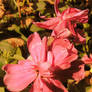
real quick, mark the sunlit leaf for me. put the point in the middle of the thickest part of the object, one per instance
(86, 25)
(18, 51)
(34, 28)
(41, 6)
(15, 42)
(5, 45)
(18, 57)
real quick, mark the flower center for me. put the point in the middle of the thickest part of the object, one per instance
(43, 73)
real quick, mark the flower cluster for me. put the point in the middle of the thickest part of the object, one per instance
(48, 66)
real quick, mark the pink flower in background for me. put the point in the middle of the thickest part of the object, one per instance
(81, 73)
(65, 60)
(64, 24)
(86, 59)
(38, 70)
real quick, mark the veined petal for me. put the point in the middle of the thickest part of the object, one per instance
(61, 42)
(56, 7)
(18, 76)
(44, 68)
(81, 16)
(59, 49)
(47, 85)
(60, 27)
(67, 61)
(59, 53)
(64, 53)
(37, 47)
(50, 58)
(40, 86)
(75, 14)
(48, 24)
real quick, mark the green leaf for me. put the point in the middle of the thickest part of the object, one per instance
(86, 26)
(18, 57)
(1, 71)
(41, 6)
(17, 29)
(34, 28)
(14, 27)
(5, 45)
(63, 8)
(2, 61)
(18, 51)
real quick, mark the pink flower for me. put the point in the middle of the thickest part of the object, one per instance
(65, 60)
(37, 70)
(64, 24)
(86, 59)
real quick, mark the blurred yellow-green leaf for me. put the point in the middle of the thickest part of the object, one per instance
(2, 89)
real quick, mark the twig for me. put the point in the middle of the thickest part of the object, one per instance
(19, 10)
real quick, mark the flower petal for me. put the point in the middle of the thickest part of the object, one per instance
(37, 47)
(40, 86)
(56, 7)
(59, 53)
(67, 61)
(86, 59)
(81, 16)
(47, 85)
(60, 28)
(50, 58)
(79, 75)
(59, 49)
(64, 53)
(48, 24)
(45, 67)
(75, 14)
(18, 76)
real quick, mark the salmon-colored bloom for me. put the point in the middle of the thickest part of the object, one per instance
(64, 24)
(65, 60)
(37, 70)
